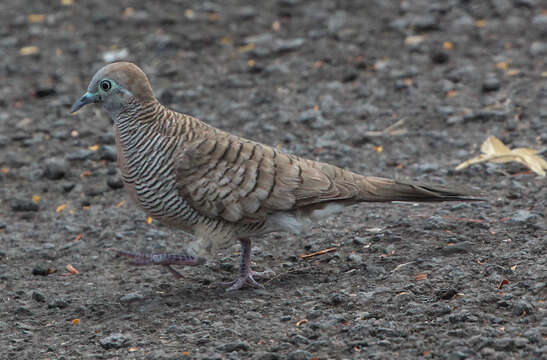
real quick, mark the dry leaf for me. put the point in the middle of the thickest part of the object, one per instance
(75, 321)
(502, 65)
(36, 18)
(503, 282)
(71, 269)
(301, 322)
(246, 48)
(447, 45)
(149, 220)
(414, 40)
(493, 150)
(93, 147)
(421, 276)
(189, 14)
(29, 50)
(35, 198)
(60, 208)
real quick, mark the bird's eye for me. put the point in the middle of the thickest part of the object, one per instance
(105, 85)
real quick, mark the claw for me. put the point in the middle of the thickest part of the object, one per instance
(246, 275)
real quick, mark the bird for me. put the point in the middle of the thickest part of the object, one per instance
(220, 188)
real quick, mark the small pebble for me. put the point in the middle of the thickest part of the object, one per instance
(114, 341)
(38, 296)
(300, 355)
(23, 205)
(114, 182)
(131, 297)
(234, 346)
(491, 83)
(55, 169)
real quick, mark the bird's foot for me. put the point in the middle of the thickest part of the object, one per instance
(166, 260)
(247, 278)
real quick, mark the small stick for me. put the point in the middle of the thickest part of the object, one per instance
(320, 252)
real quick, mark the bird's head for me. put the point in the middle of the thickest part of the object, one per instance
(114, 86)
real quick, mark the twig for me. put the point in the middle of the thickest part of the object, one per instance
(320, 252)
(394, 129)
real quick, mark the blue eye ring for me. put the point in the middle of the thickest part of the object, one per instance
(105, 85)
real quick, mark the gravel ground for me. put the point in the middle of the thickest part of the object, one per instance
(448, 281)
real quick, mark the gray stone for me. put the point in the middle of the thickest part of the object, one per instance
(355, 258)
(108, 153)
(491, 83)
(288, 45)
(23, 205)
(538, 48)
(300, 340)
(59, 303)
(131, 297)
(522, 217)
(457, 248)
(114, 182)
(425, 22)
(299, 355)
(265, 356)
(55, 169)
(234, 346)
(38, 296)
(114, 341)
(79, 155)
(523, 307)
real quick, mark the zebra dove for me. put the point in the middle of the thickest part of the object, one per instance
(218, 187)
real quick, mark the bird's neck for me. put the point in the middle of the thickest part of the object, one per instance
(153, 117)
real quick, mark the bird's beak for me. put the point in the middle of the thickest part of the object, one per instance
(86, 98)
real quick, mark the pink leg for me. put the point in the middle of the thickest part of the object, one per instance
(246, 275)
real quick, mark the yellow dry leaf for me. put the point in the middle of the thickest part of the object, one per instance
(480, 23)
(36, 18)
(512, 72)
(149, 220)
(246, 48)
(67, 2)
(414, 40)
(378, 149)
(421, 276)
(189, 13)
(93, 147)
(36, 198)
(29, 50)
(448, 45)
(60, 208)
(251, 63)
(502, 65)
(75, 321)
(493, 150)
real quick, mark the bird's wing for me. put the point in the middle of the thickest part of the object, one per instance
(224, 176)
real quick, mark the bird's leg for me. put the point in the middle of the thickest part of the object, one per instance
(246, 275)
(163, 259)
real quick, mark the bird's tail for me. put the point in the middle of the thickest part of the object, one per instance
(375, 189)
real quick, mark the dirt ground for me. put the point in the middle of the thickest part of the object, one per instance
(442, 281)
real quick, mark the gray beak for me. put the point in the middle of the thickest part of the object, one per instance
(86, 98)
